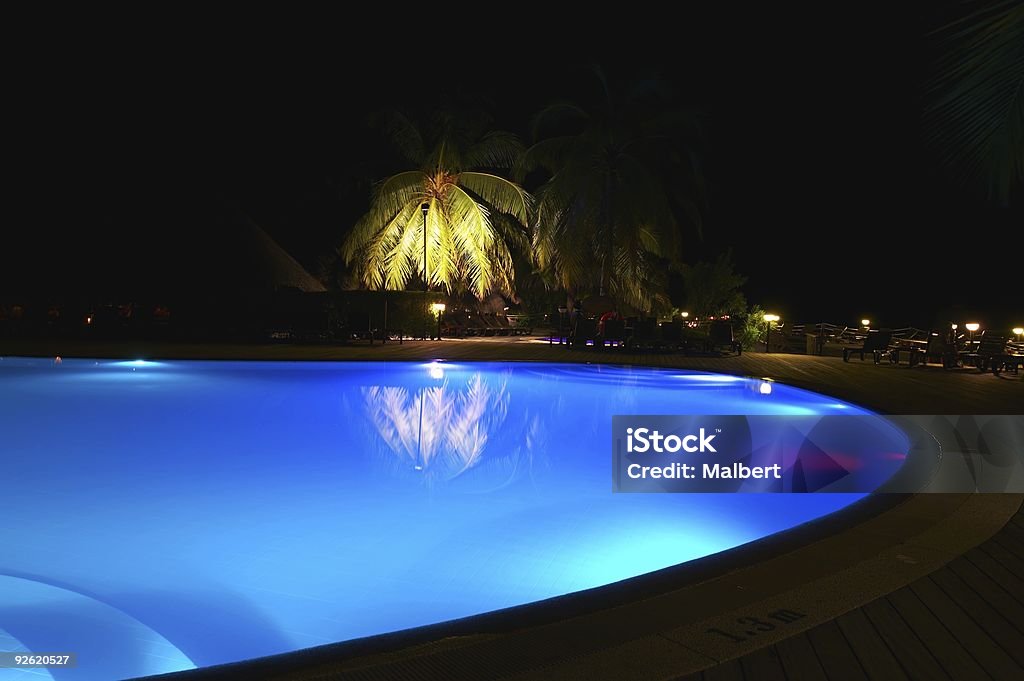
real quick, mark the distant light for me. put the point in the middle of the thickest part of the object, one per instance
(865, 322)
(684, 315)
(437, 307)
(88, 319)
(435, 370)
(766, 388)
(953, 326)
(134, 364)
(1018, 330)
(972, 326)
(57, 360)
(771, 317)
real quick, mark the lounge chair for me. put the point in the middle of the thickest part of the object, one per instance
(472, 325)
(502, 327)
(584, 330)
(488, 326)
(671, 334)
(992, 352)
(720, 335)
(937, 347)
(614, 332)
(645, 334)
(876, 343)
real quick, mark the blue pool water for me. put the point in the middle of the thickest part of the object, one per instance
(156, 516)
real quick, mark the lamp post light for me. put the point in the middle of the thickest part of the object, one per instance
(1018, 331)
(972, 327)
(438, 308)
(866, 323)
(426, 272)
(769, 318)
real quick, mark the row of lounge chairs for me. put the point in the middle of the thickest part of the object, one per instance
(993, 351)
(648, 334)
(461, 324)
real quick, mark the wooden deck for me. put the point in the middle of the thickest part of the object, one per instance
(942, 577)
(963, 621)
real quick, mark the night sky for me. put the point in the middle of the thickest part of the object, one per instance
(818, 179)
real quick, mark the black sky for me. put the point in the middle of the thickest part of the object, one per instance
(818, 179)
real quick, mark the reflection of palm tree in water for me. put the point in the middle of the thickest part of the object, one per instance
(442, 430)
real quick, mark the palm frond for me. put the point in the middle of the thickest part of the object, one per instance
(471, 229)
(404, 136)
(499, 193)
(974, 114)
(496, 149)
(556, 113)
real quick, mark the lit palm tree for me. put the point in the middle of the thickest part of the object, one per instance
(474, 220)
(606, 216)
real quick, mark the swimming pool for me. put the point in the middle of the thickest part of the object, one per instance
(159, 516)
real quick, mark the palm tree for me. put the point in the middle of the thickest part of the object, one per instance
(974, 108)
(606, 216)
(473, 220)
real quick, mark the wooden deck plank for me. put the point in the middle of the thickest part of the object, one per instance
(990, 591)
(798, 658)
(1009, 638)
(763, 665)
(835, 654)
(1011, 583)
(727, 671)
(1012, 545)
(979, 645)
(957, 662)
(1010, 562)
(913, 656)
(874, 655)
(696, 676)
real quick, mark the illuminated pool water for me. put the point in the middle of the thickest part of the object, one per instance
(156, 516)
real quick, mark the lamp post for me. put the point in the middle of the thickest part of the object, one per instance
(1018, 331)
(971, 328)
(769, 318)
(438, 308)
(426, 272)
(866, 323)
(561, 323)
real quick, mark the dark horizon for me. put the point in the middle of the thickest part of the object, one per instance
(818, 179)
